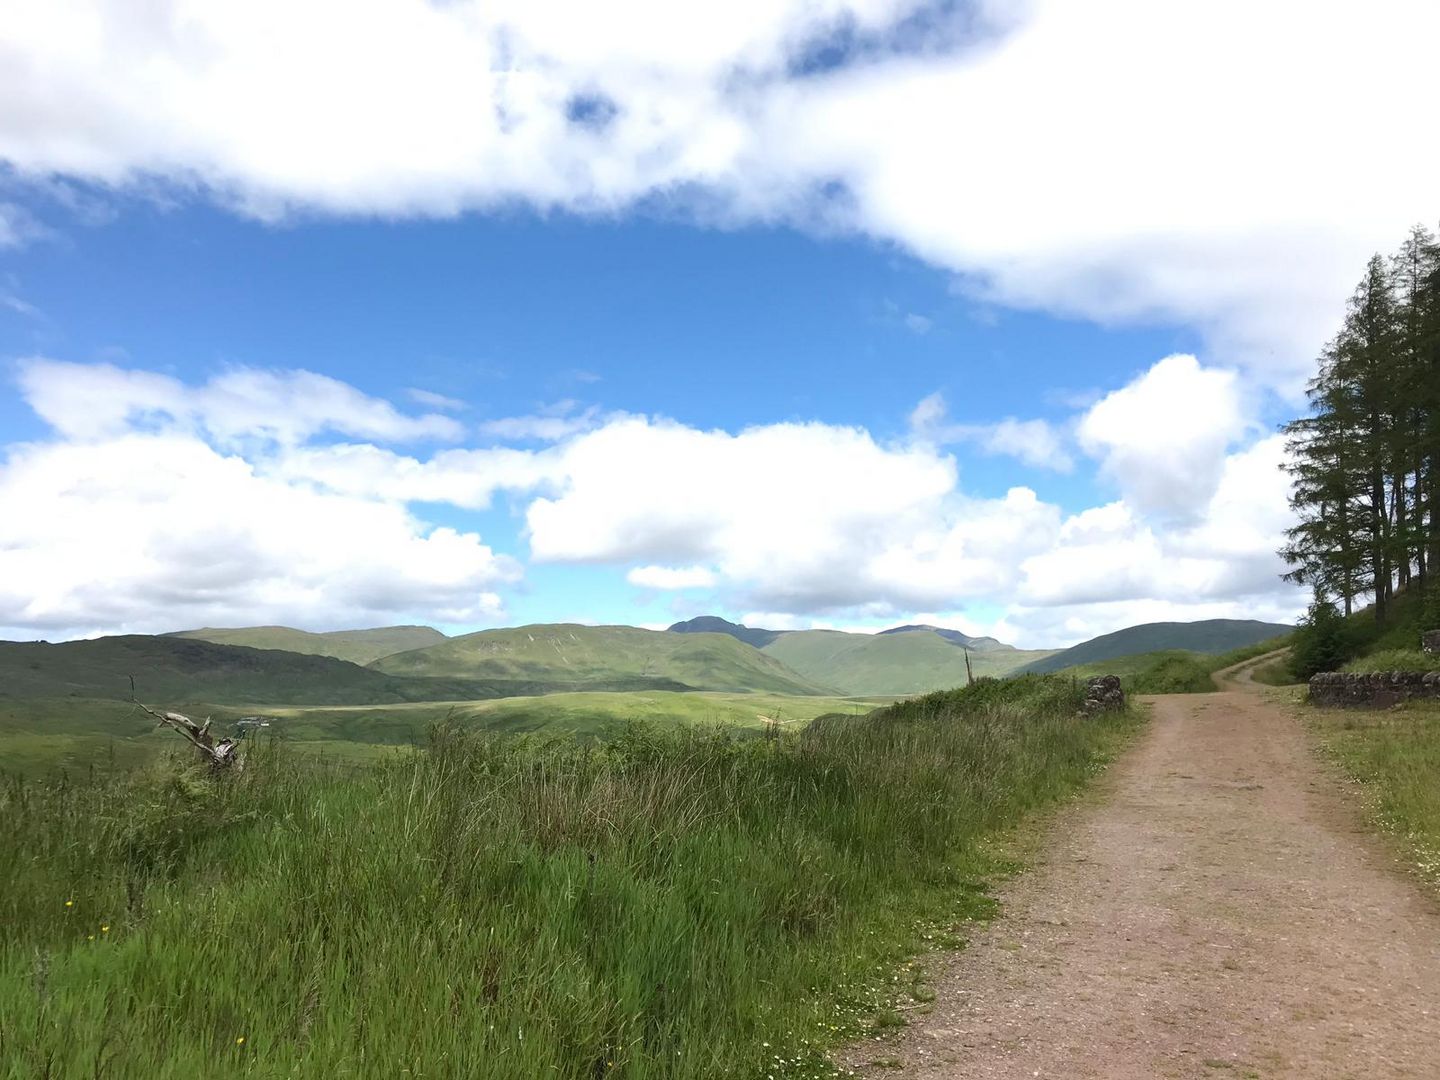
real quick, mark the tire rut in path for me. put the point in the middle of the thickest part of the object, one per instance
(1218, 911)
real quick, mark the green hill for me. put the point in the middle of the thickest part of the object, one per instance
(1210, 636)
(581, 654)
(897, 663)
(173, 670)
(357, 646)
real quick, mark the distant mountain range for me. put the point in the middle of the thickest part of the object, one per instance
(909, 659)
(255, 666)
(576, 653)
(751, 635)
(1211, 636)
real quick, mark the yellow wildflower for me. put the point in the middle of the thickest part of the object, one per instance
(240, 1041)
(69, 903)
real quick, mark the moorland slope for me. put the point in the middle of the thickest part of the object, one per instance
(580, 654)
(1209, 636)
(912, 662)
(357, 646)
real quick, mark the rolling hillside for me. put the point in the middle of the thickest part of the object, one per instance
(581, 654)
(357, 646)
(1211, 636)
(173, 671)
(912, 662)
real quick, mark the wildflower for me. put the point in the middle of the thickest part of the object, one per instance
(69, 903)
(91, 937)
(240, 1041)
(105, 929)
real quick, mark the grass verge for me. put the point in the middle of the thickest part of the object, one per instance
(674, 903)
(1394, 754)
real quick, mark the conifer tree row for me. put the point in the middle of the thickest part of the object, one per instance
(1365, 464)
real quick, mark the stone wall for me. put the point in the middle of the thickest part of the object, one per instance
(1103, 693)
(1373, 691)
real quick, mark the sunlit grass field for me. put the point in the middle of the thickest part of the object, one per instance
(79, 735)
(677, 901)
(1395, 756)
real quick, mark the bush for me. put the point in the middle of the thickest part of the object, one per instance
(1322, 642)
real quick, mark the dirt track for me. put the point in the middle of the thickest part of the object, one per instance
(1218, 911)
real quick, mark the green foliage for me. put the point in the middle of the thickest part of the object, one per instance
(916, 661)
(675, 903)
(1275, 673)
(1366, 461)
(577, 654)
(1172, 674)
(1322, 642)
(1393, 660)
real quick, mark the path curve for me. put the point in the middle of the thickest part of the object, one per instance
(1218, 911)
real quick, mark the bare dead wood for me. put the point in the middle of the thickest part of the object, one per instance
(220, 754)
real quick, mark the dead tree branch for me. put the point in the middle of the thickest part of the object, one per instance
(219, 754)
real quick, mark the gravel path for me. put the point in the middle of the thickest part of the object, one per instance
(1218, 911)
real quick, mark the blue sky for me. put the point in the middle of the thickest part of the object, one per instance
(899, 335)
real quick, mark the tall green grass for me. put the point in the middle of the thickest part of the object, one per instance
(677, 904)
(1395, 755)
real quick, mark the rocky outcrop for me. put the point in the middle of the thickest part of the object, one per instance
(1372, 690)
(1103, 693)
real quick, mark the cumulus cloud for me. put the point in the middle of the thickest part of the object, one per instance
(549, 424)
(669, 578)
(1092, 162)
(89, 401)
(1035, 442)
(153, 532)
(1162, 438)
(151, 507)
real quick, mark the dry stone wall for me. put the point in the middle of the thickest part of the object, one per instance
(1374, 690)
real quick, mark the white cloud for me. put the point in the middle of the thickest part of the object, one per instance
(152, 507)
(671, 577)
(18, 227)
(468, 479)
(431, 399)
(91, 401)
(1162, 438)
(156, 532)
(1034, 442)
(549, 424)
(1093, 161)
(918, 324)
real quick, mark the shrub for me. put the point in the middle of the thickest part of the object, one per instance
(1321, 642)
